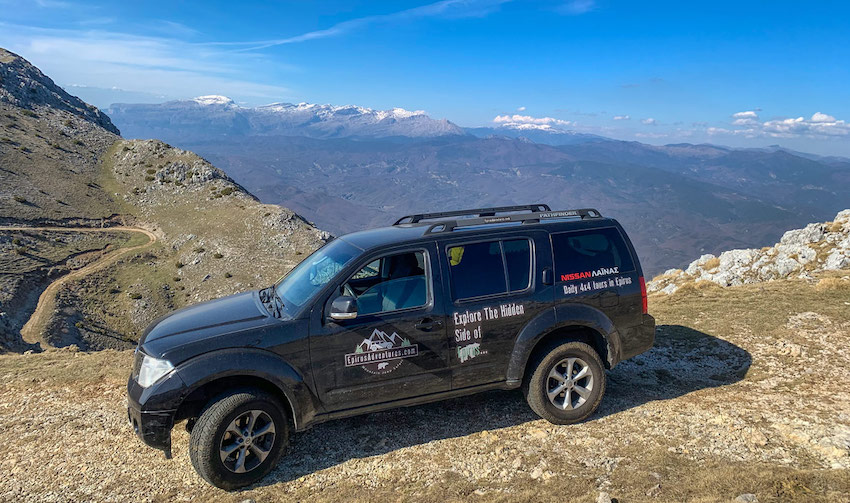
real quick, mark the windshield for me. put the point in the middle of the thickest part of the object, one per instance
(312, 274)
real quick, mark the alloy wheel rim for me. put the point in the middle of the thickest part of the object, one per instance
(569, 383)
(247, 441)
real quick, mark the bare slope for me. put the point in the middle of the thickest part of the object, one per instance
(62, 164)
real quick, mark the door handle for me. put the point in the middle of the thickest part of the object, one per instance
(428, 324)
(548, 276)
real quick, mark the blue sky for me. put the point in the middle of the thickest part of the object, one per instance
(736, 73)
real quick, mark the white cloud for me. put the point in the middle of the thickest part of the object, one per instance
(819, 117)
(622, 118)
(527, 119)
(820, 125)
(517, 121)
(749, 114)
(649, 121)
(520, 109)
(748, 118)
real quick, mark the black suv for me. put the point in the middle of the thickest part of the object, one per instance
(436, 306)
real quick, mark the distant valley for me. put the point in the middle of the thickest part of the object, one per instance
(346, 168)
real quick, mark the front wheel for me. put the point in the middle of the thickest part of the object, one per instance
(566, 384)
(239, 438)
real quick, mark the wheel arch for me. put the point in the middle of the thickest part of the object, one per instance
(214, 373)
(572, 322)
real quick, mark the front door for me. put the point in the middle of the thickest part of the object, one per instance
(396, 347)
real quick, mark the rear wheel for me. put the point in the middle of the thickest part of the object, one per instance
(239, 438)
(566, 384)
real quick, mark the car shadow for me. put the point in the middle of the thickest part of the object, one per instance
(682, 360)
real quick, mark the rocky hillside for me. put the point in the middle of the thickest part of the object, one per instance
(799, 254)
(24, 86)
(62, 166)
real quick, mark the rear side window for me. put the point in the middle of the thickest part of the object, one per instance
(596, 252)
(489, 268)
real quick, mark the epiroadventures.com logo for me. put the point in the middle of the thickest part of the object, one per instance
(381, 353)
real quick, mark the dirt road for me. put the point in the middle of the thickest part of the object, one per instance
(32, 329)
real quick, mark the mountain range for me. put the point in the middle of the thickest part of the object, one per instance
(347, 168)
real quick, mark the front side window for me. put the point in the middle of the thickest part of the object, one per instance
(390, 283)
(489, 268)
(590, 253)
(314, 272)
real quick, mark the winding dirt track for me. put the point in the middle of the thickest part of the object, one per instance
(32, 329)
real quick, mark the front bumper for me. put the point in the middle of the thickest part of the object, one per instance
(151, 411)
(154, 428)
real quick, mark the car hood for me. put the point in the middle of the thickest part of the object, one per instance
(227, 314)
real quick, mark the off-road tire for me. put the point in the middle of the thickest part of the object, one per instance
(535, 385)
(210, 428)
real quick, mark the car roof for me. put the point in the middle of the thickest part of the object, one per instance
(405, 233)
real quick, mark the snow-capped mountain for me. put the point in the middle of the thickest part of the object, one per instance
(216, 115)
(213, 99)
(538, 133)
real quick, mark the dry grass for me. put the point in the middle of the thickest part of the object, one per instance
(711, 264)
(677, 424)
(697, 287)
(824, 284)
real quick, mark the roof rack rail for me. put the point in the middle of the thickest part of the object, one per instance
(530, 218)
(480, 212)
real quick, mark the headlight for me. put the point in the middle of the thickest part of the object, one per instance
(152, 370)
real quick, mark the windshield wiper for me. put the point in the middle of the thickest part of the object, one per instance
(272, 301)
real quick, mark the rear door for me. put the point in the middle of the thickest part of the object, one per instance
(396, 347)
(595, 267)
(493, 288)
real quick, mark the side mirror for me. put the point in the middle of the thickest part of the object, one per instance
(344, 308)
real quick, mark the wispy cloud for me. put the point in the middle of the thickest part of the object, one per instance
(52, 4)
(649, 121)
(171, 65)
(451, 9)
(622, 117)
(158, 65)
(576, 7)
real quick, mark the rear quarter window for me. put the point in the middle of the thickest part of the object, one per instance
(597, 252)
(489, 268)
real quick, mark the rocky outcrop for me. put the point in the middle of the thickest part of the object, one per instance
(23, 85)
(801, 252)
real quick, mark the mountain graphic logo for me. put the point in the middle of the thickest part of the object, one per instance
(381, 352)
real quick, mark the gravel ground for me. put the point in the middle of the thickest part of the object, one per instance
(721, 407)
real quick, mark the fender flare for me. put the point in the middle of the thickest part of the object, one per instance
(558, 317)
(253, 362)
